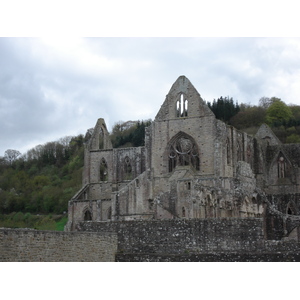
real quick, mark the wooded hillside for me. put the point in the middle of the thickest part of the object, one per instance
(45, 178)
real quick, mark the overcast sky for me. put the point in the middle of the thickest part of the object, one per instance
(54, 87)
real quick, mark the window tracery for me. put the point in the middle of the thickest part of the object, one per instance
(183, 152)
(182, 107)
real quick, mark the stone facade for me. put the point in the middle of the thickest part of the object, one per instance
(192, 166)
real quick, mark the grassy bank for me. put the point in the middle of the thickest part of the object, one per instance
(27, 220)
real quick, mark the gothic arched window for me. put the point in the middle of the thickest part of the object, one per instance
(103, 170)
(183, 152)
(127, 169)
(182, 107)
(87, 216)
(281, 167)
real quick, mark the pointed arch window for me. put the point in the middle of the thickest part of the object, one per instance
(127, 169)
(183, 151)
(182, 107)
(103, 170)
(281, 167)
(87, 216)
(291, 209)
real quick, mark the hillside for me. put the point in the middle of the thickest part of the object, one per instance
(35, 187)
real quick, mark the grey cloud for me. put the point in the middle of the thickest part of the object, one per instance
(47, 92)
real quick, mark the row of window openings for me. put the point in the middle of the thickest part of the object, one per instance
(239, 154)
(281, 165)
(104, 172)
(88, 215)
(290, 211)
(182, 107)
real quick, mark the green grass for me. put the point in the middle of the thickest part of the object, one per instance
(27, 220)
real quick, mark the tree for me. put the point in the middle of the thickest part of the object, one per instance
(224, 108)
(249, 117)
(278, 113)
(265, 102)
(11, 155)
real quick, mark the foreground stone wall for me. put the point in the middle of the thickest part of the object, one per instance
(51, 246)
(182, 236)
(196, 240)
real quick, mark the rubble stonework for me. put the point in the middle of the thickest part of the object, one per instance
(192, 166)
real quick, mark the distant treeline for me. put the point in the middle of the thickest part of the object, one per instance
(282, 118)
(45, 178)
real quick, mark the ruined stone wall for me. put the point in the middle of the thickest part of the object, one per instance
(50, 246)
(133, 200)
(136, 158)
(168, 240)
(184, 236)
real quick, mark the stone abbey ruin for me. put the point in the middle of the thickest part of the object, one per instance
(192, 166)
(199, 190)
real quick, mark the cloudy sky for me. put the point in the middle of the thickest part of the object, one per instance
(54, 87)
(60, 85)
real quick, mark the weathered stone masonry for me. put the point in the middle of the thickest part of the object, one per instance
(158, 240)
(53, 246)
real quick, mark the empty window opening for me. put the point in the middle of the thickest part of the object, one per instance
(281, 167)
(109, 213)
(182, 107)
(186, 104)
(183, 212)
(151, 204)
(291, 209)
(127, 169)
(87, 216)
(188, 185)
(103, 170)
(178, 109)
